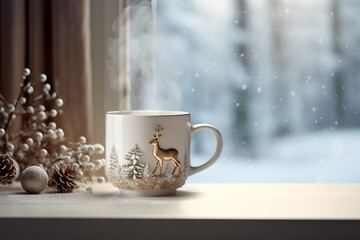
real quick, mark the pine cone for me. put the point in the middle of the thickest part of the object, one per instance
(9, 169)
(64, 178)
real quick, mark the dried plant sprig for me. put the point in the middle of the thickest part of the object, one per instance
(34, 113)
(79, 155)
(73, 161)
(41, 141)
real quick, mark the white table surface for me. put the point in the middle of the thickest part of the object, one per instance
(193, 201)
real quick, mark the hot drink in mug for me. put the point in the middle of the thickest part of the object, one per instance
(148, 152)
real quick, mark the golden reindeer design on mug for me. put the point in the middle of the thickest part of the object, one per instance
(161, 155)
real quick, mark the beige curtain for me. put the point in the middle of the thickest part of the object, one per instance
(51, 37)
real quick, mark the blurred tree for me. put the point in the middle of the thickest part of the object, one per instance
(280, 65)
(339, 80)
(242, 89)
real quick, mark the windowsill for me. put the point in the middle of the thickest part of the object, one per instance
(193, 201)
(212, 211)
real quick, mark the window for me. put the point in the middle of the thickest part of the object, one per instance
(109, 58)
(280, 79)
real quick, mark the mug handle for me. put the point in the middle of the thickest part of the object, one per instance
(219, 146)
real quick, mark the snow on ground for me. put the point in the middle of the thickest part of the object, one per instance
(326, 156)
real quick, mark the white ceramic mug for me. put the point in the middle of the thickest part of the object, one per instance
(147, 152)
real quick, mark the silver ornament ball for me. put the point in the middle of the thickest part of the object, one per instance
(34, 179)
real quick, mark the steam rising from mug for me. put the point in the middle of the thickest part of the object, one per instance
(136, 38)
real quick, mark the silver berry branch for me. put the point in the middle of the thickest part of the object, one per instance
(40, 141)
(35, 136)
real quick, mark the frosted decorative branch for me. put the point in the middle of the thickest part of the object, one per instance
(41, 143)
(12, 108)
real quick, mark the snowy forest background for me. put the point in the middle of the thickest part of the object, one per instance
(280, 79)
